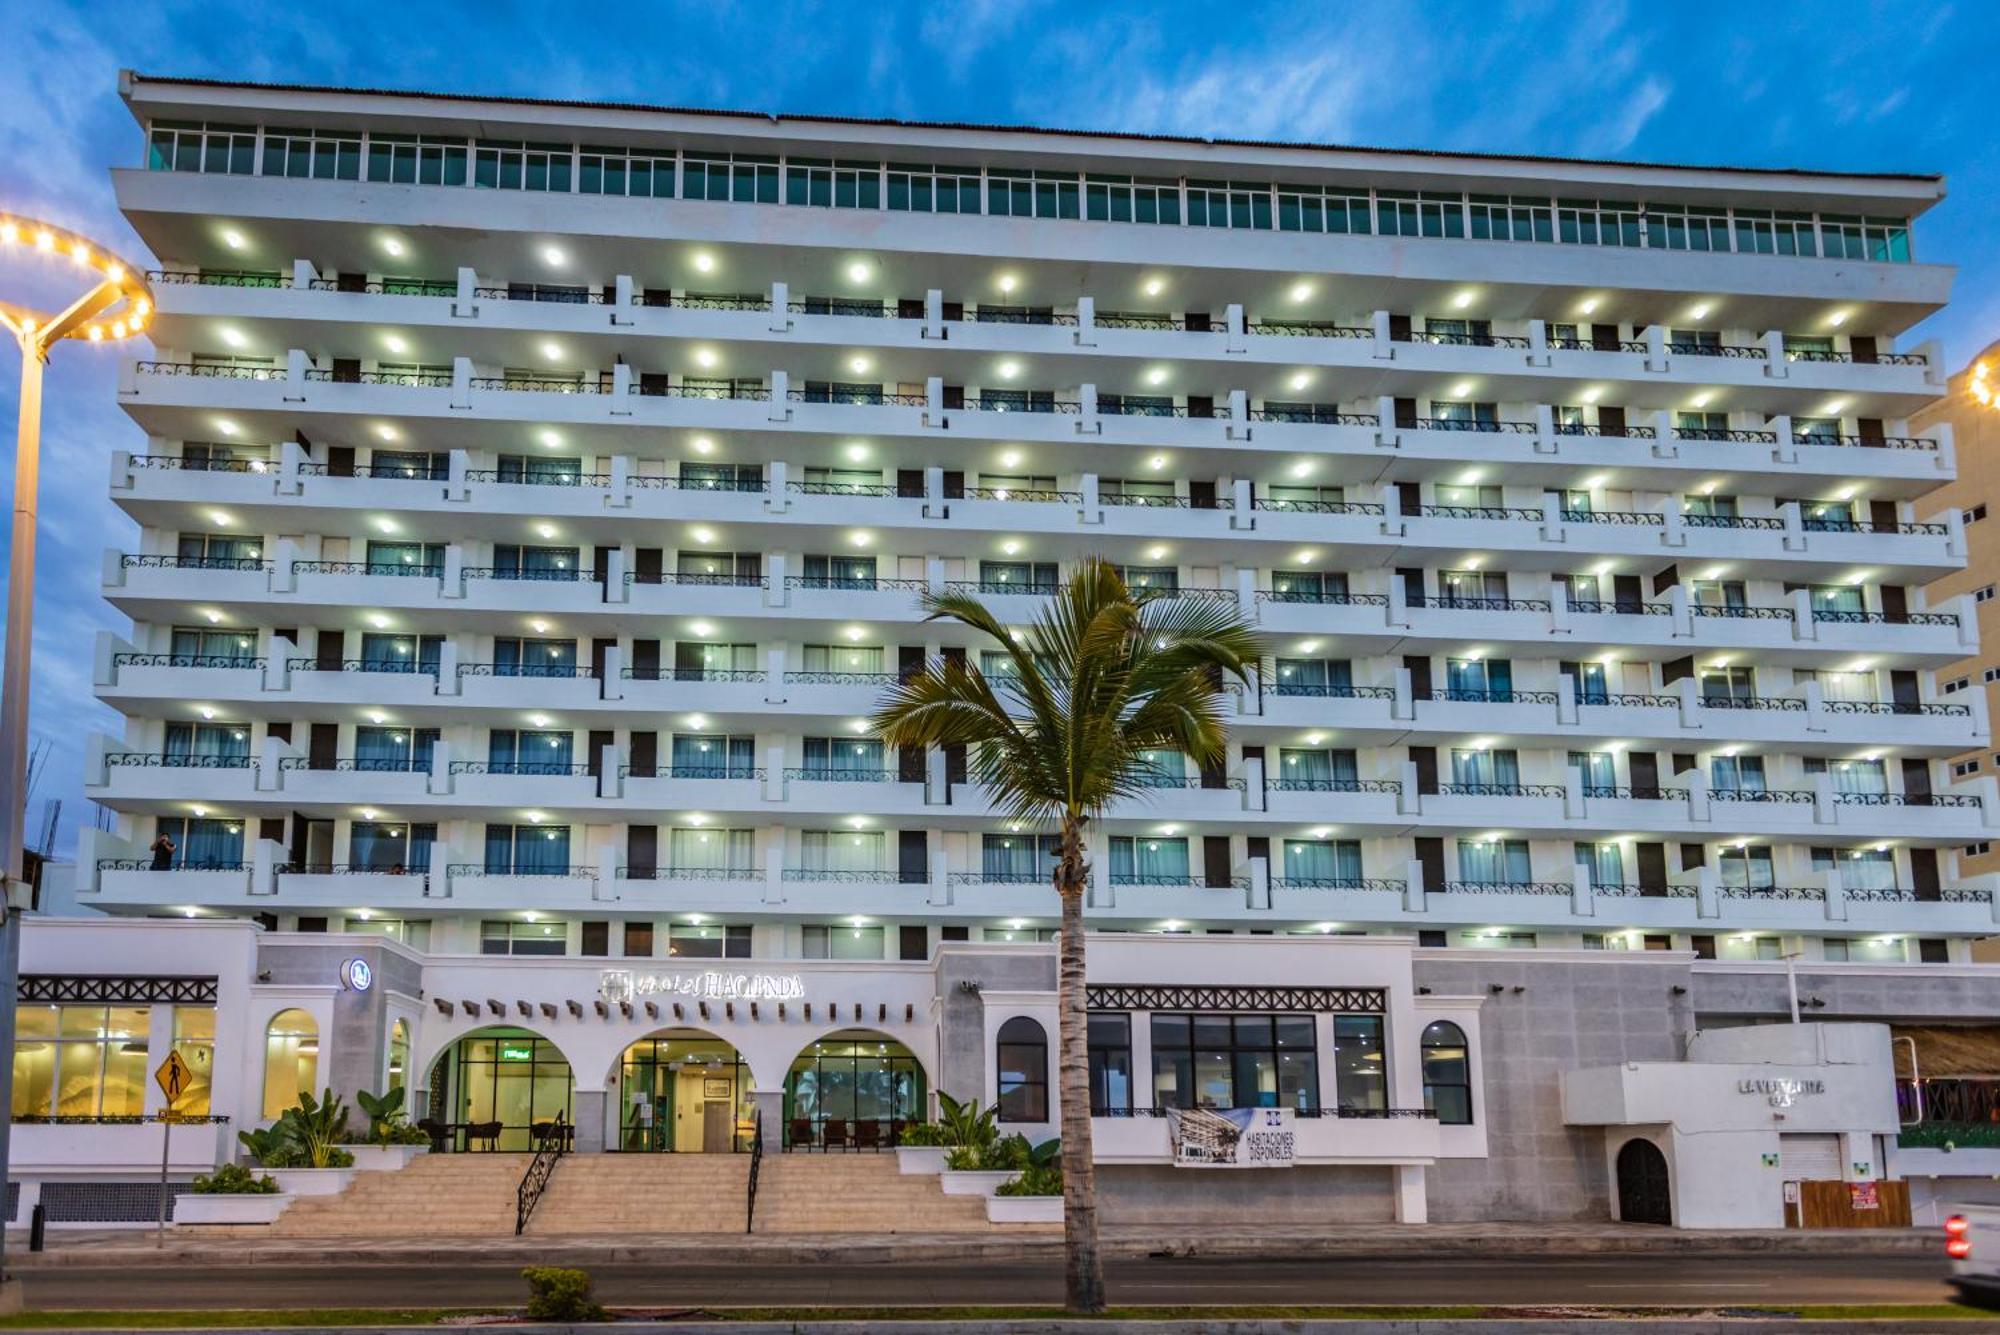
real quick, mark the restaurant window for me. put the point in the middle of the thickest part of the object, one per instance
(1022, 1068)
(291, 1060)
(81, 1062)
(1235, 1061)
(194, 1039)
(1447, 1073)
(1110, 1042)
(1360, 1075)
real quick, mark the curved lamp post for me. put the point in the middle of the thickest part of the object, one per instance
(117, 306)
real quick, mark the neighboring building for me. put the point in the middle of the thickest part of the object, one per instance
(1974, 497)
(517, 573)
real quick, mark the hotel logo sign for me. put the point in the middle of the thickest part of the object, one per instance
(700, 985)
(1781, 1092)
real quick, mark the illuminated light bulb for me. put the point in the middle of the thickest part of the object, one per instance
(704, 262)
(45, 240)
(115, 272)
(97, 333)
(118, 329)
(10, 233)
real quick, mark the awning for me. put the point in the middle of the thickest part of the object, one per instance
(1959, 1051)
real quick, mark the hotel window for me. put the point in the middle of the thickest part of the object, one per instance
(828, 942)
(1479, 679)
(1032, 194)
(1962, 768)
(699, 849)
(291, 1060)
(1140, 491)
(1163, 579)
(744, 178)
(218, 551)
(625, 171)
(195, 646)
(1447, 1073)
(1728, 683)
(1721, 594)
(548, 470)
(1501, 218)
(840, 758)
(1679, 227)
(512, 561)
(82, 1062)
(519, 657)
(1454, 416)
(721, 477)
(1293, 496)
(523, 751)
(1468, 498)
(512, 165)
(1973, 515)
(1322, 863)
(708, 941)
(1599, 770)
(1236, 204)
(1314, 676)
(204, 843)
(843, 481)
(1021, 1066)
(1401, 213)
(1144, 861)
(1235, 1061)
(1954, 686)
(1591, 682)
(1866, 949)
(914, 189)
(1746, 868)
(411, 160)
(1134, 199)
(1471, 588)
(1701, 425)
(1494, 862)
(1309, 770)
(842, 850)
(1306, 208)
(1859, 868)
(842, 658)
(1495, 939)
(385, 846)
(1360, 1074)
(1736, 774)
(225, 150)
(712, 755)
(321, 155)
(527, 850)
(1709, 506)
(1036, 577)
(1018, 859)
(1003, 485)
(839, 572)
(423, 559)
(1487, 768)
(1743, 946)
(819, 183)
(1604, 861)
(401, 653)
(1110, 1042)
(1308, 586)
(1587, 222)
(739, 569)
(416, 935)
(1978, 850)
(1854, 777)
(523, 938)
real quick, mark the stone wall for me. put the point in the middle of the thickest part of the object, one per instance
(1553, 1012)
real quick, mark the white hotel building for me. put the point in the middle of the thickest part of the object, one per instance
(535, 499)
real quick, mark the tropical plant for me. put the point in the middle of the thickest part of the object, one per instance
(233, 1179)
(271, 1146)
(316, 1127)
(385, 1112)
(1041, 1177)
(557, 1293)
(1103, 676)
(1007, 1154)
(966, 1123)
(920, 1135)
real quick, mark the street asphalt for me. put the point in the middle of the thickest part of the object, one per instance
(1607, 1280)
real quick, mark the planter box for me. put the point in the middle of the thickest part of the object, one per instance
(972, 1184)
(922, 1159)
(263, 1208)
(384, 1158)
(1024, 1209)
(313, 1181)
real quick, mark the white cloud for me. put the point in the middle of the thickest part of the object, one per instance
(1617, 133)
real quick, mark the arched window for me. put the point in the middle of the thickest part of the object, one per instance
(1447, 1073)
(1024, 1071)
(399, 1055)
(291, 1060)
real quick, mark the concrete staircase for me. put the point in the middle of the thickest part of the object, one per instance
(644, 1193)
(437, 1194)
(862, 1193)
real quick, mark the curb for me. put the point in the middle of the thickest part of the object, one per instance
(1703, 1324)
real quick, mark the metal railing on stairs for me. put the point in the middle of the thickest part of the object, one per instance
(543, 1166)
(756, 1164)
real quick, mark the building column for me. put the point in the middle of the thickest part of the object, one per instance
(590, 1106)
(770, 1105)
(1412, 1207)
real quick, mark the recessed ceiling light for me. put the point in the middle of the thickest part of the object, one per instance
(1010, 459)
(1156, 376)
(701, 628)
(391, 246)
(1461, 301)
(226, 427)
(1008, 370)
(1699, 312)
(704, 358)
(549, 438)
(554, 255)
(1589, 306)
(704, 262)
(233, 338)
(394, 343)
(1155, 286)
(553, 351)
(233, 238)
(859, 272)
(385, 431)
(859, 365)
(1461, 389)
(1300, 381)
(703, 534)
(856, 453)
(703, 445)
(1006, 283)
(860, 538)
(1156, 553)
(1157, 462)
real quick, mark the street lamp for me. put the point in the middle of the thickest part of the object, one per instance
(117, 306)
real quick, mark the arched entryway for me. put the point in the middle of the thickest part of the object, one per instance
(1644, 1196)
(499, 1089)
(684, 1091)
(853, 1089)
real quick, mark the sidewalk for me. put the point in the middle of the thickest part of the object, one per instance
(135, 1248)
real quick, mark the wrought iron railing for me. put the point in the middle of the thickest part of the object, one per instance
(1337, 883)
(1334, 692)
(1501, 790)
(535, 1181)
(1334, 785)
(756, 1168)
(187, 661)
(1507, 888)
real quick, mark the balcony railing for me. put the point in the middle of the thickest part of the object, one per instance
(1727, 435)
(458, 870)
(1323, 597)
(1158, 881)
(1308, 329)
(731, 773)
(853, 876)
(692, 674)
(716, 581)
(1962, 801)
(357, 764)
(1374, 883)
(1612, 793)
(861, 584)
(1815, 525)
(1606, 433)
(1774, 703)
(400, 666)
(1592, 345)
(1467, 424)
(1334, 786)
(187, 661)
(1885, 618)
(842, 678)
(146, 864)
(179, 463)
(1468, 340)
(1513, 512)
(1330, 692)
(1760, 523)
(530, 384)
(558, 671)
(1000, 878)
(1740, 351)
(1738, 612)
(1625, 518)
(536, 478)
(1783, 892)
(398, 569)
(1316, 414)
(1316, 507)
(193, 563)
(690, 873)
(219, 278)
(718, 393)
(208, 371)
(1452, 602)
(1469, 695)
(1142, 501)
(1033, 495)
(876, 489)
(175, 760)
(1908, 708)
(1764, 796)
(1626, 700)
(542, 768)
(1501, 790)
(650, 482)
(833, 774)
(529, 574)
(1619, 607)
(1506, 888)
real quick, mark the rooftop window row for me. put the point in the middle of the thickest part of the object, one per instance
(814, 182)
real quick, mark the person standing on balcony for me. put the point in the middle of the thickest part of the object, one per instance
(163, 852)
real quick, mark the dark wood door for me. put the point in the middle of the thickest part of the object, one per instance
(1201, 405)
(912, 857)
(1406, 411)
(645, 753)
(1644, 1194)
(600, 648)
(1903, 689)
(1653, 870)
(1645, 774)
(340, 461)
(1861, 347)
(1895, 604)
(1604, 338)
(647, 565)
(1924, 874)
(1425, 758)
(329, 650)
(1419, 666)
(1610, 421)
(1201, 495)
(323, 748)
(1215, 861)
(599, 739)
(1882, 516)
(1917, 781)
(909, 764)
(1430, 860)
(645, 660)
(1409, 498)
(1399, 328)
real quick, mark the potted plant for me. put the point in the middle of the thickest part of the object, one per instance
(978, 1170)
(305, 1144)
(390, 1142)
(922, 1148)
(1035, 1194)
(232, 1194)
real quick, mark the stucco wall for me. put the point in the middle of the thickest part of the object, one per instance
(1575, 1010)
(1162, 1194)
(962, 1013)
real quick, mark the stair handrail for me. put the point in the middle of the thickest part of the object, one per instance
(543, 1166)
(756, 1163)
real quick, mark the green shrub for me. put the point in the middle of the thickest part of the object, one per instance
(967, 1123)
(1041, 1176)
(271, 1146)
(556, 1293)
(1009, 1154)
(923, 1135)
(233, 1179)
(1950, 1135)
(316, 1126)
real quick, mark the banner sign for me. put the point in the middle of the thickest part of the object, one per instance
(1231, 1137)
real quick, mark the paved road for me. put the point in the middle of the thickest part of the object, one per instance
(1621, 1280)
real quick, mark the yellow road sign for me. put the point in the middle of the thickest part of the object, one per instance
(174, 1077)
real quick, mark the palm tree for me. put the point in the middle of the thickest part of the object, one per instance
(1102, 677)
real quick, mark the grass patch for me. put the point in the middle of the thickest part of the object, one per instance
(430, 1316)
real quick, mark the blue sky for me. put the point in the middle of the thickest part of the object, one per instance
(1833, 84)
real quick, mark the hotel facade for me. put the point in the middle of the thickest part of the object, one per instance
(536, 499)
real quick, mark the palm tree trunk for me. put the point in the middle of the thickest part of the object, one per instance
(1083, 1269)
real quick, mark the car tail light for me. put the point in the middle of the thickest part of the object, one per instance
(1957, 1245)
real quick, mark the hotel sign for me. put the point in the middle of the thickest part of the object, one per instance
(700, 985)
(1781, 1092)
